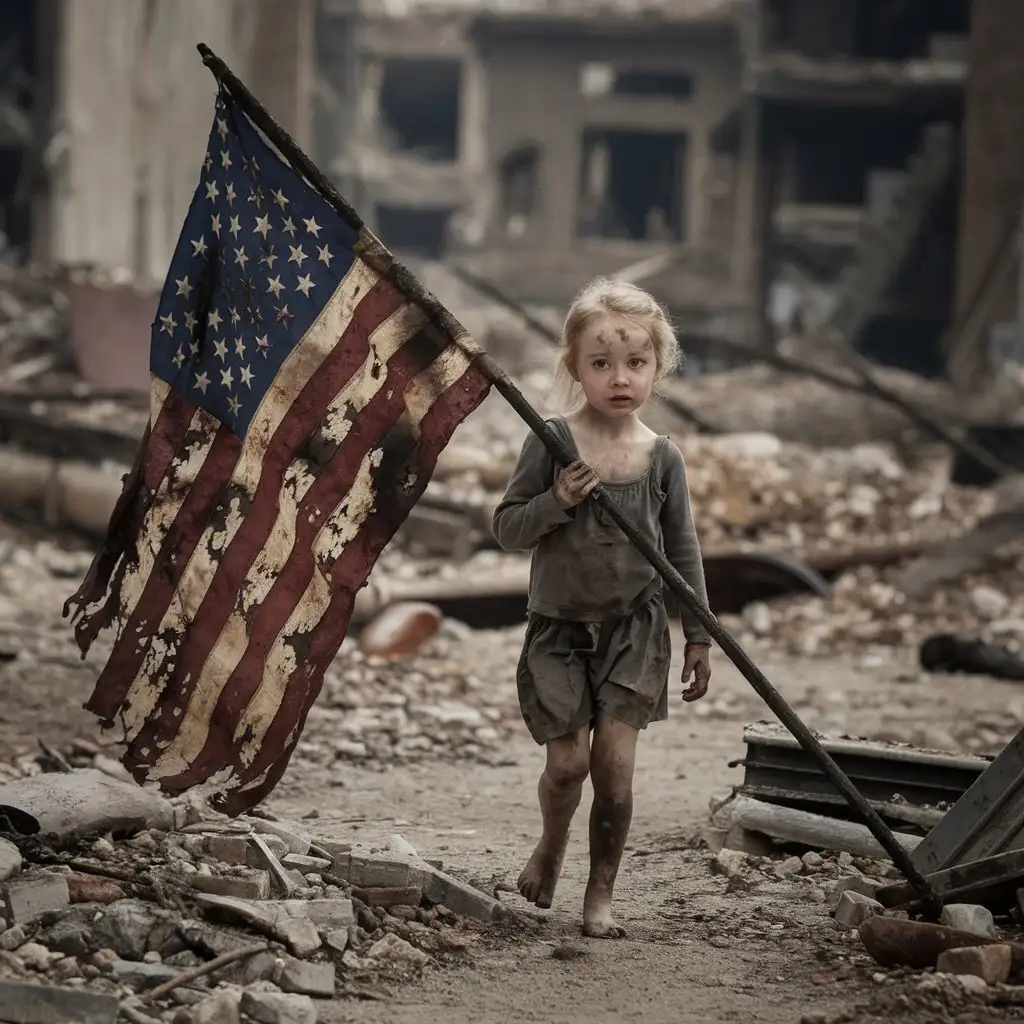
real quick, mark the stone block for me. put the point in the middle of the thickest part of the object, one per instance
(255, 886)
(854, 909)
(234, 850)
(24, 1003)
(377, 897)
(853, 883)
(10, 860)
(29, 898)
(969, 917)
(306, 865)
(278, 1007)
(459, 897)
(990, 963)
(306, 978)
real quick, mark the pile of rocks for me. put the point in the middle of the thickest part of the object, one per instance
(218, 919)
(866, 610)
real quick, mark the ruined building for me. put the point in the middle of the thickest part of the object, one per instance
(858, 107)
(541, 144)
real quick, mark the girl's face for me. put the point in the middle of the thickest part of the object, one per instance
(616, 365)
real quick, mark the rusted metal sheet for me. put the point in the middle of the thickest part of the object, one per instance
(987, 820)
(110, 333)
(890, 776)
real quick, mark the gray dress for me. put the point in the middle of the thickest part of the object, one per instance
(597, 636)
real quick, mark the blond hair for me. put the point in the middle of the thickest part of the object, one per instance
(605, 295)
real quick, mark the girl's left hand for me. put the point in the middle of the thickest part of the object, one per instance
(696, 663)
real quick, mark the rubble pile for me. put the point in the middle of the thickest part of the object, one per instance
(33, 310)
(866, 610)
(208, 919)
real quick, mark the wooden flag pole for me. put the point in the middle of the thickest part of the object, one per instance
(373, 252)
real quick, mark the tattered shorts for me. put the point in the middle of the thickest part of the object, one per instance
(569, 670)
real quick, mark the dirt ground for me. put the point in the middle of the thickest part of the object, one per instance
(699, 950)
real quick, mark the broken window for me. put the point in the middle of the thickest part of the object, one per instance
(632, 185)
(414, 230)
(604, 80)
(419, 107)
(519, 173)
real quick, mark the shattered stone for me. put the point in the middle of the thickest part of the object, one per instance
(220, 1007)
(730, 862)
(33, 955)
(233, 850)
(790, 866)
(306, 865)
(460, 898)
(30, 898)
(255, 886)
(142, 976)
(69, 936)
(295, 840)
(27, 1003)
(852, 883)
(854, 909)
(278, 1007)
(305, 978)
(298, 933)
(127, 927)
(969, 917)
(12, 938)
(396, 950)
(337, 939)
(990, 963)
(392, 898)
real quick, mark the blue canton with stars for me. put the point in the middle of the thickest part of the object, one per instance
(259, 256)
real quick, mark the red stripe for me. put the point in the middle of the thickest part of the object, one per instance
(165, 439)
(188, 655)
(348, 575)
(321, 500)
(203, 499)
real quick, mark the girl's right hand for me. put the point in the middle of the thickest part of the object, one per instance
(573, 484)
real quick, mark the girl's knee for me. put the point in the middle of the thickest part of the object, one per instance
(567, 765)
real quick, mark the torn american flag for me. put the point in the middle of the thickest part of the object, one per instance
(299, 403)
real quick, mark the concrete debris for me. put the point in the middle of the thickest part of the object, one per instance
(990, 963)
(178, 933)
(968, 917)
(854, 909)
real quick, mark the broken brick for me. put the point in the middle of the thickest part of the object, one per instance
(30, 898)
(255, 886)
(990, 963)
(393, 897)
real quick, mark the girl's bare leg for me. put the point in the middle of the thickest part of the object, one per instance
(559, 792)
(612, 757)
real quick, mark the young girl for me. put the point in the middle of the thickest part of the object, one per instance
(597, 651)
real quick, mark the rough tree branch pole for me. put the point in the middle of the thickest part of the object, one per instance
(377, 256)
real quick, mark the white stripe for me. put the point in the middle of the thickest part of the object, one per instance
(369, 380)
(295, 372)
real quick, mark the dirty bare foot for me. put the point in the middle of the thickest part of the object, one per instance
(540, 876)
(598, 922)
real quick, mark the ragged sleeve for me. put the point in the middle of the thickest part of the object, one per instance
(682, 547)
(528, 510)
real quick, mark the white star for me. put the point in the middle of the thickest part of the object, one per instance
(226, 377)
(324, 254)
(211, 190)
(280, 198)
(202, 381)
(222, 127)
(240, 347)
(184, 288)
(179, 357)
(169, 323)
(270, 258)
(274, 286)
(288, 226)
(312, 227)
(234, 227)
(297, 255)
(262, 344)
(190, 320)
(240, 258)
(214, 319)
(199, 246)
(234, 405)
(230, 193)
(247, 376)
(305, 284)
(220, 349)
(207, 162)
(193, 348)
(262, 225)
(215, 224)
(235, 316)
(225, 158)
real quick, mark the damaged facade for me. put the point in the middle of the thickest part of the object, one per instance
(853, 173)
(542, 146)
(106, 109)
